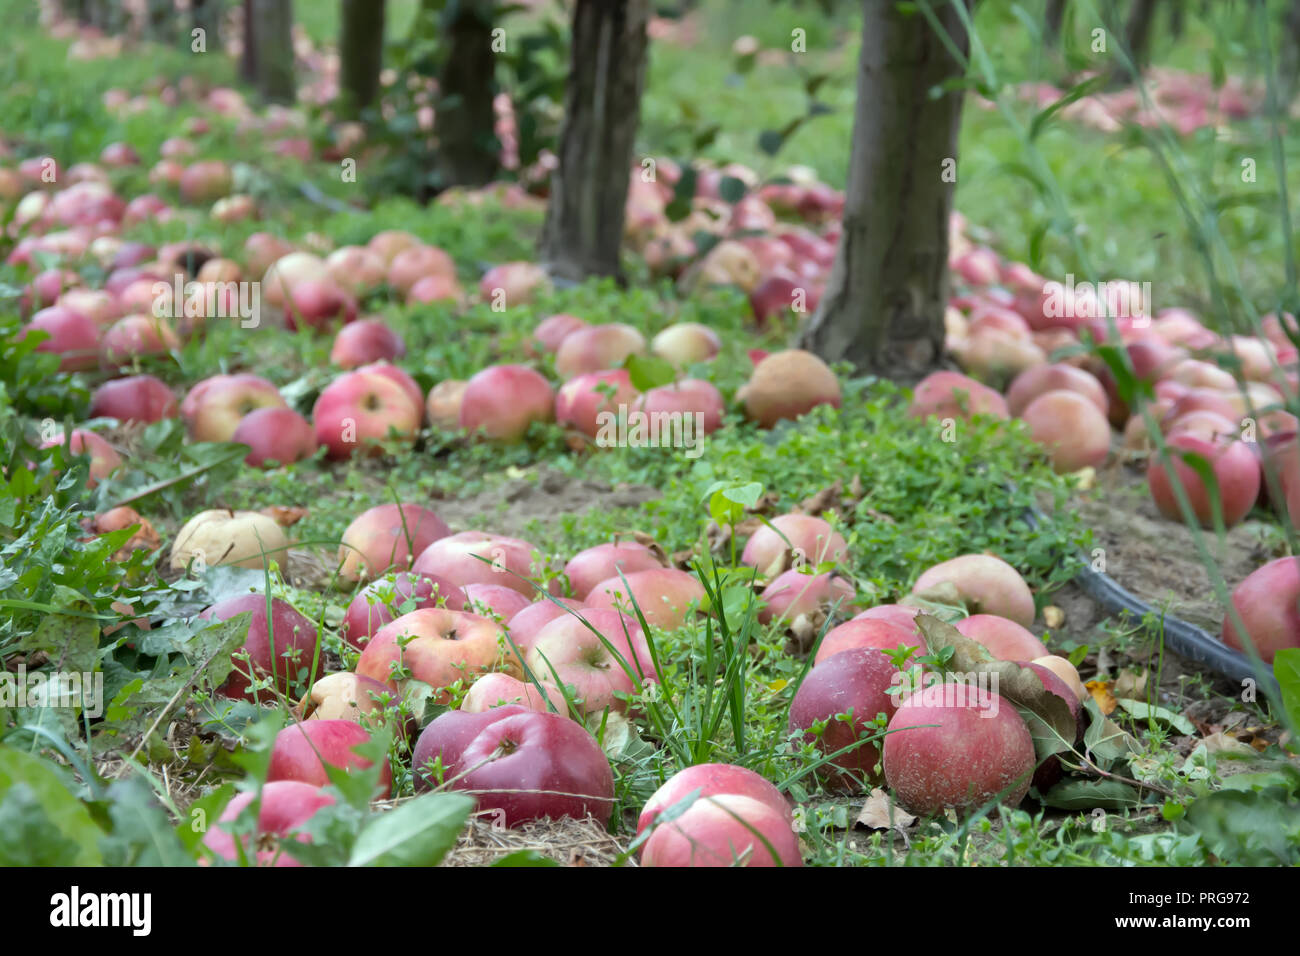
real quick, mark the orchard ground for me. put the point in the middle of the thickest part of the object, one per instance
(906, 495)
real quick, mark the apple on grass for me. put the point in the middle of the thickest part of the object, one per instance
(590, 567)
(385, 537)
(344, 695)
(477, 557)
(364, 341)
(385, 599)
(278, 648)
(793, 593)
(985, 583)
(524, 627)
(498, 690)
(520, 765)
(104, 459)
(857, 682)
(359, 409)
(137, 398)
(501, 401)
(72, 336)
(665, 596)
(883, 635)
(214, 407)
(438, 647)
(286, 805)
(725, 829)
(1005, 640)
(809, 539)
(275, 435)
(600, 655)
(302, 750)
(494, 601)
(712, 779)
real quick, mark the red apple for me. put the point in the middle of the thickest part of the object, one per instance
(385, 537)
(597, 347)
(879, 634)
(793, 593)
(277, 435)
(580, 400)
(503, 400)
(385, 599)
(215, 406)
(437, 646)
(286, 805)
(280, 648)
(1236, 471)
(500, 690)
(359, 409)
(1268, 601)
(860, 682)
(810, 540)
(1006, 640)
(599, 664)
(137, 398)
(476, 557)
(72, 336)
(301, 751)
(664, 595)
(724, 830)
(365, 341)
(588, 568)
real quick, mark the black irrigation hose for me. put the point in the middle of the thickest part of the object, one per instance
(1184, 639)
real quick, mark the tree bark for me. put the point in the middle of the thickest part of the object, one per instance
(274, 50)
(161, 16)
(248, 59)
(361, 53)
(584, 218)
(1053, 19)
(884, 302)
(205, 15)
(468, 152)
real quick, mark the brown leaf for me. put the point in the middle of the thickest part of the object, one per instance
(1131, 685)
(881, 813)
(648, 541)
(1050, 719)
(1101, 693)
(823, 500)
(286, 516)
(1226, 743)
(1053, 616)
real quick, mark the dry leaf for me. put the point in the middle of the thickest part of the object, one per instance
(1100, 691)
(823, 500)
(1131, 685)
(1226, 743)
(648, 541)
(881, 813)
(285, 516)
(1053, 616)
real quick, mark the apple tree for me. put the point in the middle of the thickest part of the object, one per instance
(884, 302)
(602, 108)
(268, 49)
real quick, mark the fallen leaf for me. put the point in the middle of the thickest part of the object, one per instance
(1131, 685)
(823, 500)
(1100, 691)
(1053, 616)
(1226, 743)
(881, 813)
(284, 515)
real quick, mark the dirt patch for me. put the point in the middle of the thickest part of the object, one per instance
(1157, 559)
(545, 497)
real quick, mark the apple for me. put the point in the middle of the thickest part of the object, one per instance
(104, 459)
(437, 646)
(137, 398)
(72, 336)
(580, 400)
(119, 155)
(318, 304)
(723, 830)
(1041, 379)
(443, 404)
(685, 343)
(860, 682)
(214, 407)
(390, 242)
(281, 647)
(347, 696)
(401, 377)
(957, 746)
(286, 805)
(780, 292)
(532, 766)
(1071, 427)
(597, 347)
(302, 750)
(600, 655)
(205, 181)
(689, 396)
(501, 402)
(902, 615)
(359, 409)
(220, 270)
(52, 283)
(356, 270)
(283, 275)
(381, 601)
(512, 283)
(810, 540)
(664, 595)
(494, 600)
(365, 341)
(1236, 471)
(786, 385)
(231, 209)
(262, 250)
(553, 330)
(385, 537)
(440, 745)
(477, 557)
(1268, 602)
(135, 337)
(710, 780)
(793, 593)
(278, 435)
(414, 263)
(499, 690)
(953, 395)
(590, 567)
(435, 288)
(524, 627)
(986, 583)
(1005, 640)
(874, 633)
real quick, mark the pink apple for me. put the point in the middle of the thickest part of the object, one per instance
(712, 779)
(417, 262)
(861, 682)
(690, 396)
(286, 805)
(512, 283)
(134, 337)
(553, 330)
(726, 829)
(476, 557)
(580, 400)
(524, 627)
(215, 406)
(359, 409)
(318, 304)
(1268, 602)
(138, 398)
(794, 593)
(599, 664)
(596, 348)
(588, 568)
(503, 400)
(301, 751)
(494, 600)
(499, 690)
(72, 336)
(686, 343)
(281, 648)
(437, 646)
(986, 583)
(385, 599)
(665, 596)
(274, 434)
(364, 341)
(1006, 640)
(385, 537)
(357, 270)
(875, 633)
(104, 459)
(812, 540)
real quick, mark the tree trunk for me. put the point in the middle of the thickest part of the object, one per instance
(248, 59)
(205, 15)
(274, 50)
(361, 53)
(1053, 19)
(602, 107)
(1289, 65)
(1176, 15)
(161, 16)
(468, 152)
(883, 305)
(1137, 33)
